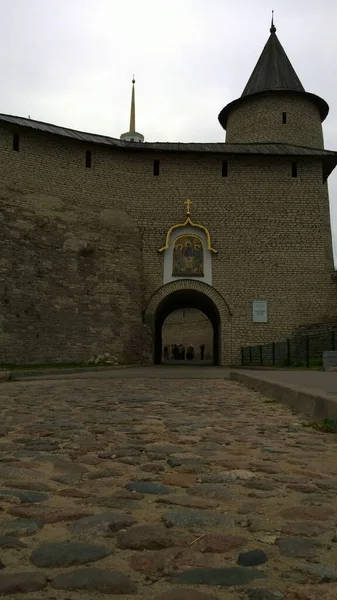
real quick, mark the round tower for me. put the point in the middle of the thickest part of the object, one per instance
(132, 135)
(274, 106)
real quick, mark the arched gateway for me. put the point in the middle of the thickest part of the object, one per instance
(186, 293)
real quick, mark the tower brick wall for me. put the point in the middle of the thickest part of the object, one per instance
(272, 233)
(260, 119)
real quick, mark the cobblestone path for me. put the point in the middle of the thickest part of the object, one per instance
(163, 489)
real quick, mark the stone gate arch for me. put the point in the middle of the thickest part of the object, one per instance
(196, 294)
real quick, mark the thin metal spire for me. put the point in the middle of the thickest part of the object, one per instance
(133, 108)
(272, 28)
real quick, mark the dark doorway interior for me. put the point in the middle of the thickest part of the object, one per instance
(186, 299)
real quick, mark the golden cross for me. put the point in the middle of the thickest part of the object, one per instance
(188, 206)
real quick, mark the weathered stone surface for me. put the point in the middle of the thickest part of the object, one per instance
(67, 554)
(102, 524)
(68, 466)
(144, 537)
(145, 487)
(187, 502)
(304, 528)
(261, 484)
(209, 490)
(194, 518)
(317, 572)
(227, 576)
(95, 580)
(49, 514)
(315, 513)
(299, 547)
(312, 592)
(26, 582)
(24, 496)
(183, 480)
(263, 594)
(220, 542)
(7, 541)
(252, 558)
(20, 527)
(185, 594)
(167, 561)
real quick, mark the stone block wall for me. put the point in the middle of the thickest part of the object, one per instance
(272, 233)
(260, 119)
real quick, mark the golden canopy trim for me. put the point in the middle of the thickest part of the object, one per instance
(188, 221)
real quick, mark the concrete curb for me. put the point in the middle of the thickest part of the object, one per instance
(17, 375)
(311, 402)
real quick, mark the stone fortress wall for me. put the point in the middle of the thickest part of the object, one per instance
(62, 302)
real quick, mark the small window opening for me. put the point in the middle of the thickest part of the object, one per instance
(156, 167)
(284, 118)
(88, 159)
(16, 142)
(294, 169)
(225, 168)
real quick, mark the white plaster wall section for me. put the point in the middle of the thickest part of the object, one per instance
(168, 257)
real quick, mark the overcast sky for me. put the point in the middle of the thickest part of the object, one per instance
(70, 62)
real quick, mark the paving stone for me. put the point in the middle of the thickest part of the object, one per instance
(261, 484)
(209, 490)
(185, 594)
(263, 594)
(317, 572)
(153, 467)
(220, 542)
(95, 580)
(315, 513)
(67, 554)
(253, 558)
(194, 518)
(43, 446)
(183, 480)
(298, 547)
(69, 466)
(227, 576)
(312, 592)
(145, 487)
(304, 528)
(26, 582)
(104, 524)
(168, 561)
(103, 474)
(24, 496)
(11, 542)
(187, 502)
(20, 527)
(37, 486)
(303, 488)
(145, 537)
(49, 514)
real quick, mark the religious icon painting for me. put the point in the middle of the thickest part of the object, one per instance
(188, 256)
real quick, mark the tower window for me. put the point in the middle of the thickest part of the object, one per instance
(156, 167)
(225, 168)
(16, 142)
(284, 118)
(294, 169)
(88, 159)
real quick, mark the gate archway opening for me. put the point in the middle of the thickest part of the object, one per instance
(184, 299)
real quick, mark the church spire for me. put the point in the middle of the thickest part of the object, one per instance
(272, 27)
(133, 108)
(132, 135)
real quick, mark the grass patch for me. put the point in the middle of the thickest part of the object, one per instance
(327, 425)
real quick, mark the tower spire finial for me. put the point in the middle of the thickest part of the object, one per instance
(133, 108)
(272, 28)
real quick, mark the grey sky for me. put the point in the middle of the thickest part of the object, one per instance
(70, 62)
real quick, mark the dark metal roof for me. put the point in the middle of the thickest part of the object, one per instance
(202, 147)
(273, 72)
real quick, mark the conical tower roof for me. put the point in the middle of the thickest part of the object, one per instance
(273, 72)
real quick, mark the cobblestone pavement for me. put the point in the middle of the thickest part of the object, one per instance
(166, 489)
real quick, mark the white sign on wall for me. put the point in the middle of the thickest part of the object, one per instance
(260, 313)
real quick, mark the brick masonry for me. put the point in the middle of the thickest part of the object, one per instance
(62, 302)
